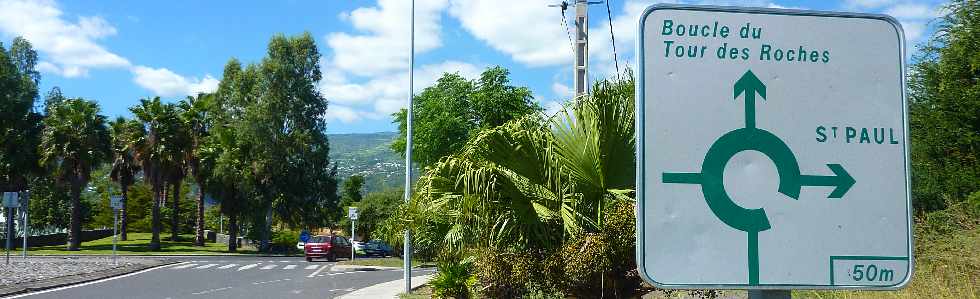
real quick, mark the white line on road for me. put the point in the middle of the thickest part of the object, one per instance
(206, 266)
(211, 291)
(184, 266)
(311, 267)
(289, 267)
(271, 281)
(269, 267)
(91, 282)
(246, 267)
(318, 271)
(228, 266)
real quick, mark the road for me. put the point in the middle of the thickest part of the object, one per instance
(232, 277)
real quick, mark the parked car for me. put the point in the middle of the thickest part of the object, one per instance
(328, 247)
(367, 249)
(384, 249)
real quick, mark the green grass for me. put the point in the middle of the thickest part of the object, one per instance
(423, 292)
(383, 262)
(138, 244)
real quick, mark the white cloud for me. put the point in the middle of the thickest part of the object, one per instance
(552, 107)
(869, 3)
(166, 83)
(70, 47)
(562, 90)
(385, 43)
(342, 113)
(912, 11)
(529, 31)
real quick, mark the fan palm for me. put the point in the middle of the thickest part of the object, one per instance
(194, 114)
(74, 140)
(124, 165)
(154, 151)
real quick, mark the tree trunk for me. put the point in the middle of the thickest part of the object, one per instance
(175, 213)
(75, 228)
(233, 232)
(199, 240)
(124, 214)
(155, 240)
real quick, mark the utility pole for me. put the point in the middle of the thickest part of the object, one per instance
(27, 201)
(407, 248)
(581, 79)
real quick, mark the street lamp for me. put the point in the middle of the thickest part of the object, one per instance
(407, 248)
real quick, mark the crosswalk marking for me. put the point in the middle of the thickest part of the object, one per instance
(289, 267)
(312, 267)
(228, 266)
(246, 267)
(184, 266)
(206, 266)
(269, 267)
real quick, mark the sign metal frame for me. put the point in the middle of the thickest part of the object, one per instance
(642, 197)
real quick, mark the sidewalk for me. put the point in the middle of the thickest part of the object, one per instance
(387, 290)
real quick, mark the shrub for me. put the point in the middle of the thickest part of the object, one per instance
(454, 279)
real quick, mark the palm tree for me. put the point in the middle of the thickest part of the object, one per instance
(74, 140)
(194, 113)
(154, 153)
(124, 165)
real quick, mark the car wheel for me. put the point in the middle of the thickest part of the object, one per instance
(332, 257)
(309, 259)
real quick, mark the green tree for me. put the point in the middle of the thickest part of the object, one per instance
(124, 165)
(945, 99)
(455, 109)
(20, 126)
(375, 208)
(351, 191)
(194, 114)
(75, 140)
(153, 149)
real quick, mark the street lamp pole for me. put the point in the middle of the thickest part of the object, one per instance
(407, 250)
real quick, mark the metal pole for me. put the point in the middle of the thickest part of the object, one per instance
(770, 294)
(581, 47)
(407, 248)
(352, 239)
(27, 198)
(115, 223)
(10, 231)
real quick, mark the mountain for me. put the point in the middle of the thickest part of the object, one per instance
(369, 155)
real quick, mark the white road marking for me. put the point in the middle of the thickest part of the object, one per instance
(91, 282)
(314, 274)
(268, 267)
(289, 267)
(283, 261)
(206, 266)
(311, 267)
(211, 291)
(271, 281)
(184, 266)
(228, 266)
(246, 267)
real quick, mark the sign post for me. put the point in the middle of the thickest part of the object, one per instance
(116, 202)
(807, 188)
(27, 208)
(10, 202)
(352, 214)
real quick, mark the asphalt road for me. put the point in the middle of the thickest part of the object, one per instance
(233, 277)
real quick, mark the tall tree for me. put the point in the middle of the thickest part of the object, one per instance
(453, 110)
(153, 151)
(945, 99)
(194, 114)
(352, 189)
(124, 165)
(20, 126)
(74, 140)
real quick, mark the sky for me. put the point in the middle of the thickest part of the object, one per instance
(116, 52)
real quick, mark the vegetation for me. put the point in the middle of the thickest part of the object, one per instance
(370, 156)
(136, 245)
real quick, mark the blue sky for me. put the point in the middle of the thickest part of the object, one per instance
(116, 52)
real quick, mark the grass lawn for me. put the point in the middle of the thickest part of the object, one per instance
(138, 244)
(423, 292)
(383, 262)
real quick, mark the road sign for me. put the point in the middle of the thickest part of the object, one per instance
(304, 236)
(10, 200)
(352, 213)
(772, 148)
(116, 202)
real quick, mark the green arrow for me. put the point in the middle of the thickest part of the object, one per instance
(842, 180)
(750, 85)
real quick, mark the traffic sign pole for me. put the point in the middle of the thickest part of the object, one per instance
(115, 225)
(27, 198)
(770, 294)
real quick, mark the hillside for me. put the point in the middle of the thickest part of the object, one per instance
(368, 155)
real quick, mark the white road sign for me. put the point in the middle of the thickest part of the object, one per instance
(352, 213)
(11, 200)
(116, 202)
(772, 149)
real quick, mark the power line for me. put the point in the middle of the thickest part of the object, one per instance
(564, 23)
(613, 36)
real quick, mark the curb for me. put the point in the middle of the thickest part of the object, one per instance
(63, 281)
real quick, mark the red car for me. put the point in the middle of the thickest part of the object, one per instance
(328, 247)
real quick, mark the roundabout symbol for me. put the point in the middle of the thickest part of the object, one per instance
(791, 181)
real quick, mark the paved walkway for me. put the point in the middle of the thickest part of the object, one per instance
(387, 290)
